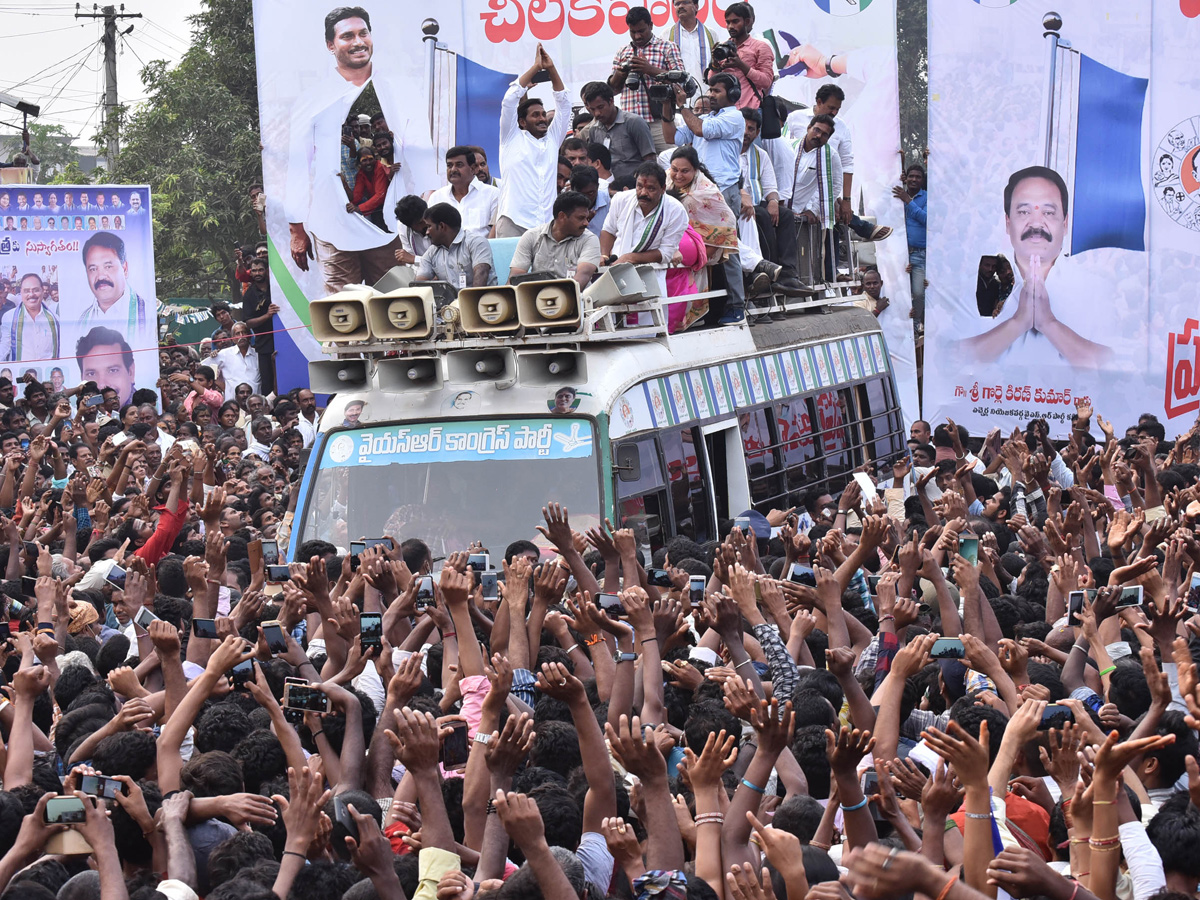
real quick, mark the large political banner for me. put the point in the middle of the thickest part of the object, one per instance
(1064, 214)
(81, 306)
(438, 82)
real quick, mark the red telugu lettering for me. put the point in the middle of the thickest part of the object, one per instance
(1183, 375)
(616, 17)
(542, 29)
(499, 29)
(660, 12)
(589, 25)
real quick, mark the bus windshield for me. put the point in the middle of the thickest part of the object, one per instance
(453, 482)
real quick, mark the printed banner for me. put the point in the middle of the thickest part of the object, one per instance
(456, 441)
(79, 263)
(1064, 217)
(438, 82)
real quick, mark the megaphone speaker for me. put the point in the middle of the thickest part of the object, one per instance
(405, 314)
(556, 367)
(488, 310)
(620, 283)
(550, 304)
(341, 318)
(330, 376)
(410, 375)
(497, 364)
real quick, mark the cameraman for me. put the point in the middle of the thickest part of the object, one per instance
(753, 64)
(638, 65)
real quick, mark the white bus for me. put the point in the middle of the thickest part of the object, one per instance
(466, 437)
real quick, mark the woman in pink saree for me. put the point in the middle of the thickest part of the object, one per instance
(711, 234)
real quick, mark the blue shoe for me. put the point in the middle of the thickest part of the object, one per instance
(733, 317)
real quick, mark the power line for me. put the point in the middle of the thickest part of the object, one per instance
(69, 79)
(64, 63)
(186, 43)
(126, 42)
(37, 33)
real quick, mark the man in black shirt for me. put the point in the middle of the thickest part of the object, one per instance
(259, 313)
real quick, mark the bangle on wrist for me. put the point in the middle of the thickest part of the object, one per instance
(945, 891)
(295, 853)
(754, 787)
(572, 649)
(859, 805)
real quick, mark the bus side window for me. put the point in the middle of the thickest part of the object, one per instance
(766, 483)
(794, 421)
(883, 432)
(689, 493)
(642, 504)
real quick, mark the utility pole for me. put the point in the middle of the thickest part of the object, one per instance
(110, 15)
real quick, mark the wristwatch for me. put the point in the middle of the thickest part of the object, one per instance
(624, 657)
(481, 738)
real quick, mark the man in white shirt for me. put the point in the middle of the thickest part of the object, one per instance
(692, 37)
(116, 304)
(817, 174)
(644, 226)
(349, 247)
(475, 201)
(1053, 319)
(30, 331)
(238, 364)
(529, 150)
(761, 201)
(309, 419)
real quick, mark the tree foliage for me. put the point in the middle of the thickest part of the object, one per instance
(195, 141)
(912, 59)
(51, 144)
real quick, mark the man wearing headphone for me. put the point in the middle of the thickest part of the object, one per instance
(717, 137)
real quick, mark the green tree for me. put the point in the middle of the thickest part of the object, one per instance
(912, 60)
(51, 144)
(195, 141)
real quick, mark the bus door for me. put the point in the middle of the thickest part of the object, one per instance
(725, 468)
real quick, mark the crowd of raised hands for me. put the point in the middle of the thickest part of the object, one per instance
(992, 690)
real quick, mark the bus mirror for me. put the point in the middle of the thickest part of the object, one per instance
(552, 368)
(620, 283)
(498, 366)
(627, 462)
(341, 318)
(405, 314)
(329, 376)
(552, 304)
(410, 375)
(488, 310)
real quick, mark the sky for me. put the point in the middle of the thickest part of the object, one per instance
(49, 57)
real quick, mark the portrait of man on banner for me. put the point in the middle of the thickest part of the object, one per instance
(1054, 316)
(329, 216)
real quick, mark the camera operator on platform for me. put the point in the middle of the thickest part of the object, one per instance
(639, 66)
(748, 59)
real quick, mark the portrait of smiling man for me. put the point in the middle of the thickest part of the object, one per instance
(1052, 319)
(347, 246)
(115, 303)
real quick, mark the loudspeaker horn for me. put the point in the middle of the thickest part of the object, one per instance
(496, 365)
(331, 376)
(553, 367)
(405, 314)
(620, 283)
(488, 310)
(552, 304)
(410, 375)
(341, 318)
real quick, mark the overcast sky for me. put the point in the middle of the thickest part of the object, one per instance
(50, 58)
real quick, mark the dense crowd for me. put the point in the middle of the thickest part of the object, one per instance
(978, 677)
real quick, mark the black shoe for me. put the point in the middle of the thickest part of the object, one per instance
(790, 287)
(770, 269)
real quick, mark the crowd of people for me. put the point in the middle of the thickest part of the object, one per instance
(978, 677)
(681, 160)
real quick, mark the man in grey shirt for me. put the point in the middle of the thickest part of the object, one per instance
(626, 135)
(563, 247)
(462, 258)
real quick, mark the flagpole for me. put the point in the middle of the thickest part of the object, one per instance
(429, 33)
(1052, 23)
